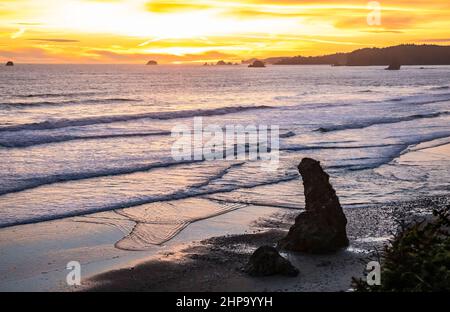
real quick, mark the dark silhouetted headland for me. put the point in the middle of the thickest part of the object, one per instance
(406, 54)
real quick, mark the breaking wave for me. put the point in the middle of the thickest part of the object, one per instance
(379, 121)
(30, 141)
(64, 103)
(64, 123)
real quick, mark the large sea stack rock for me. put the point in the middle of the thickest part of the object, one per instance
(322, 227)
(394, 65)
(266, 261)
(257, 64)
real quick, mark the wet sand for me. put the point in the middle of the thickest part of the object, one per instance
(208, 255)
(33, 257)
(215, 264)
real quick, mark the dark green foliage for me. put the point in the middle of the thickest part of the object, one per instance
(405, 54)
(417, 258)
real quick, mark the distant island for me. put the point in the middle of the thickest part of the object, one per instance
(406, 54)
(257, 63)
(222, 63)
(151, 62)
(9, 63)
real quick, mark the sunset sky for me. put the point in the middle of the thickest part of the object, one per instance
(173, 31)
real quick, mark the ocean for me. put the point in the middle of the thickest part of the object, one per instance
(79, 139)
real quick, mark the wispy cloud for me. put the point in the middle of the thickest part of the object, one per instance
(128, 57)
(53, 40)
(436, 40)
(29, 24)
(175, 6)
(18, 33)
(189, 31)
(381, 31)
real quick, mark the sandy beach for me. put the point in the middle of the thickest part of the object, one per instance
(208, 255)
(90, 176)
(34, 256)
(276, 148)
(215, 264)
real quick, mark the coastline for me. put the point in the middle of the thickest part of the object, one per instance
(33, 257)
(215, 264)
(205, 256)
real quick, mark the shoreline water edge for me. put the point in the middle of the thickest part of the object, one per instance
(103, 186)
(208, 255)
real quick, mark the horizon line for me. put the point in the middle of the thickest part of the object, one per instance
(240, 62)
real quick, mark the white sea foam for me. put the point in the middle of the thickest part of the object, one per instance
(103, 144)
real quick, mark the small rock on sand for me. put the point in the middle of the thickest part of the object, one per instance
(266, 261)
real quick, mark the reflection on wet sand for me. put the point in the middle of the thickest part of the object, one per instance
(156, 223)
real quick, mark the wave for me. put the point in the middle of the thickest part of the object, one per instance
(65, 103)
(416, 99)
(219, 175)
(64, 123)
(287, 134)
(27, 141)
(318, 147)
(440, 88)
(259, 203)
(441, 139)
(420, 99)
(379, 121)
(201, 190)
(183, 194)
(76, 176)
(56, 95)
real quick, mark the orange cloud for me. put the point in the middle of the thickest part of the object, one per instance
(174, 6)
(112, 56)
(58, 40)
(192, 31)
